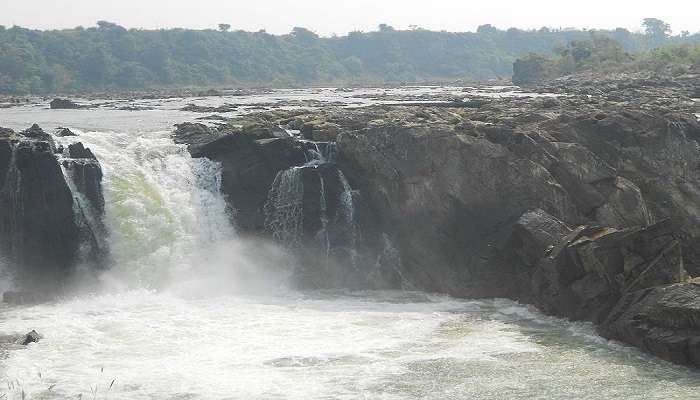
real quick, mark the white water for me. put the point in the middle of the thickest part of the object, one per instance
(191, 312)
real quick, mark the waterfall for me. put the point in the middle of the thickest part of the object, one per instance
(164, 213)
(321, 228)
(322, 234)
(318, 153)
(348, 208)
(10, 198)
(93, 240)
(284, 208)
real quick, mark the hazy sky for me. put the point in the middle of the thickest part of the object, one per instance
(327, 17)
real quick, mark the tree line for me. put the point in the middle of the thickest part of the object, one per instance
(603, 54)
(109, 56)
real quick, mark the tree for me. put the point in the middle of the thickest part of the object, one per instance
(110, 26)
(657, 30)
(224, 27)
(486, 29)
(304, 35)
(385, 28)
(533, 68)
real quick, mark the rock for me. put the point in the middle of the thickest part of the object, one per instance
(664, 321)
(207, 109)
(195, 135)
(588, 271)
(77, 150)
(533, 233)
(63, 132)
(249, 167)
(31, 337)
(86, 174)
(35, 132)
(43, 232)
(6, 133)
(64, 104)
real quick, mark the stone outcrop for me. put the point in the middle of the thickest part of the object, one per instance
(250, 162)
(574, 204)
(64, 104)
(584, 272)
(45, 227)
(291, 190)
(664, 321)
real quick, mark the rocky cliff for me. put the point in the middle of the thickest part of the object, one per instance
(51, 207)
(576, 204)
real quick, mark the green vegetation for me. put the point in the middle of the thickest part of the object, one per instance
(111, 57)
(603, 54)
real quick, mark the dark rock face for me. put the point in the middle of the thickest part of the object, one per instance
(42, 224)
(249, 167)
(589, 269)
(664, 321)
(292, 191)
(450, 193)
(64, 104)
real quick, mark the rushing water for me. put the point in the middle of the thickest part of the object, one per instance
(189, 311)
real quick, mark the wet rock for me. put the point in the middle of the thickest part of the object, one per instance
(533, 233)
(35, 132)
(63, 132)
(210, 109)
(589, 270)
(31, 337)
(664, 321)
(195, 135)
(42, 228)
(249, 167)
(77, 150)
(64, 104)
(6, 133)
(86, 175)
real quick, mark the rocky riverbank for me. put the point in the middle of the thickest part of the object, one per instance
(586, 205)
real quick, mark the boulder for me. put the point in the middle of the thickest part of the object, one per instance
(664, 321)
(31, 337)
(63, 132)
(534, 233)
(64, 104)
(35, 132)
(589, 270)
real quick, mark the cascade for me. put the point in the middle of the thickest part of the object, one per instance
(348, 209)
(164, 213)
(292, 209)
(284, 208)
(90, 224)
(10, 198)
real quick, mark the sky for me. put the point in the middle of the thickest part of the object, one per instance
(328, 17)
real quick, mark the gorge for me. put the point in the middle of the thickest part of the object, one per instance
(336, 223)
